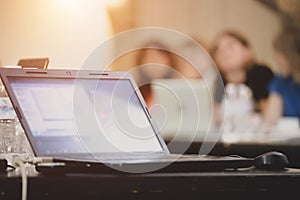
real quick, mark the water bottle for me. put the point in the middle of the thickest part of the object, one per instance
(12, 137)
(238, 105)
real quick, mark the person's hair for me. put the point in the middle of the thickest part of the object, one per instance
(233, 34)
(153, 45)
(288, 44)
(240, 38)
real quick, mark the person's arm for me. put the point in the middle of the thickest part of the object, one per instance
(218, 96)
(262, 104)
(273, 109)
(218, 114)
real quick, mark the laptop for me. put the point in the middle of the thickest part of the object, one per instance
(182, 108)
(94, 121)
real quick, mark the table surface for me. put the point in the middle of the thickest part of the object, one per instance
(247, 183)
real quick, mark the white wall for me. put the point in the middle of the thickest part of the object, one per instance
(66, 31)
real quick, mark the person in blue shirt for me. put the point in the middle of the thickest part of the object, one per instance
(284, 98)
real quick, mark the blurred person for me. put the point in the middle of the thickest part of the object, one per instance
(154, 62)
(236, 62)
(195, 62)
(284, 99)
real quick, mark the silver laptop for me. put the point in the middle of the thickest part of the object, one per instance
(182, 108)
(95, 117)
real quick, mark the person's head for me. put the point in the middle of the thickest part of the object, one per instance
(231, 51)
(287, 52)
(155, 60)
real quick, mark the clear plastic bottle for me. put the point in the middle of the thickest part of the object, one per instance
(238, 105)
(12, 136)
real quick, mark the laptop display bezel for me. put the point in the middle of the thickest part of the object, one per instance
(71, 74)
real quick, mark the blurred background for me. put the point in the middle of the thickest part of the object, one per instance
(66, 31)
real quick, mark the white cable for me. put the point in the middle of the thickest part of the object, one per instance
(35, 160)
(19, 163)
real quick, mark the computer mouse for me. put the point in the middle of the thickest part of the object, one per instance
(271, 161)
(3, 165)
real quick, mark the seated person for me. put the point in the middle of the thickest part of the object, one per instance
(236, 63)
(284, 99)
(153, 62)
(195, 62)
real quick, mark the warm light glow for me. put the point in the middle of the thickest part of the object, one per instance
(114, 2)
(66, 31)
(71, 4)
(67, 2)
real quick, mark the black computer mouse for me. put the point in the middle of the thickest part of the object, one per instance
(3, 165)
(271, 161)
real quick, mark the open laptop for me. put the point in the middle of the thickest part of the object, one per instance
(181, 108)
(96, 120)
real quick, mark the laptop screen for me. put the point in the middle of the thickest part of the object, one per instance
(71, 116)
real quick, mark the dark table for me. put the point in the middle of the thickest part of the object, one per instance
(250, 150)
(290, 147)
(240, 184)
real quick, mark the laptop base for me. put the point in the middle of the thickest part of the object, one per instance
(207, 163)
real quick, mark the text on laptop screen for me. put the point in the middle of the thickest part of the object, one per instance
(68, 116)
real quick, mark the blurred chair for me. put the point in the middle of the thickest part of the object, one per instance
(39, 63)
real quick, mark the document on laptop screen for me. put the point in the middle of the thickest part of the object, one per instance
(68, 116)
